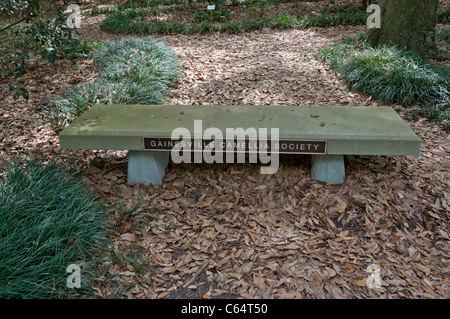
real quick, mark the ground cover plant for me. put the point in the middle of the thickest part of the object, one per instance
(48, 221)
(392, 76)
(131, 71)
(237, 17)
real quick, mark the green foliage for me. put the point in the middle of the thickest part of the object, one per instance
(24, 32)
(19, 90)
(284, 21)
(220, 15)
(88, 46)
(119, 23)
(131, 71)
(321, 19)
(252, 23)
(201, 16)
(443, 38)
(123, 21)
(443, 16)
(231, 27)
(392, 76)
(48, 220)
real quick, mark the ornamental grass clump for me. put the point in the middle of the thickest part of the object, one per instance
(131, 71)
(49, 220)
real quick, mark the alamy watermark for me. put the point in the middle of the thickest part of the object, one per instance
(74, 19)
(374, 20)
(74, 279)
(374, 279)
(212, 146)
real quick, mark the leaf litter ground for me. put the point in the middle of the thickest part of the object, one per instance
(224, 230)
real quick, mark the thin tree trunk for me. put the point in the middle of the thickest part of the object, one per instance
(407, 24)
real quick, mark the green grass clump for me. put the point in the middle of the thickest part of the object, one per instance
(322, 19)
(285, 21)
(131, 71)
(48, 220)
(392, 76)
(220, 15)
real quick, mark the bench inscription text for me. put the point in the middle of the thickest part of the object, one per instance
(238, 145)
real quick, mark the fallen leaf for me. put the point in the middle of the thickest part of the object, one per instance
(402, 294)
(342, 208)
(362, 283)
(292, 246)
(424, 269)
(207, 294)
(330, 272)
(164, 294)
(128, 236)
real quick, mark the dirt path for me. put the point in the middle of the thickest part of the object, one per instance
(276, 236)
(271, 68)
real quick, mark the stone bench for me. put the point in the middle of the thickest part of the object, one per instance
(337, 130)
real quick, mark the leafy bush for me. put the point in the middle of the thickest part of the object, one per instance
(24, 32)
(131, 71)
(48, 220)
(392, 76)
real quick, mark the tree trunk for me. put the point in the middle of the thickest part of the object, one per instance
(407, 24)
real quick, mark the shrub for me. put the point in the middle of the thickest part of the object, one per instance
(28, 30)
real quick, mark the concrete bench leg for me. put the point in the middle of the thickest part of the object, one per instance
(147, 167)
(328, 168)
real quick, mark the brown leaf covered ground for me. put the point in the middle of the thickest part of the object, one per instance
(270, 236)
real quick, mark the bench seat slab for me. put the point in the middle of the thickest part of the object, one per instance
(348, 130)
